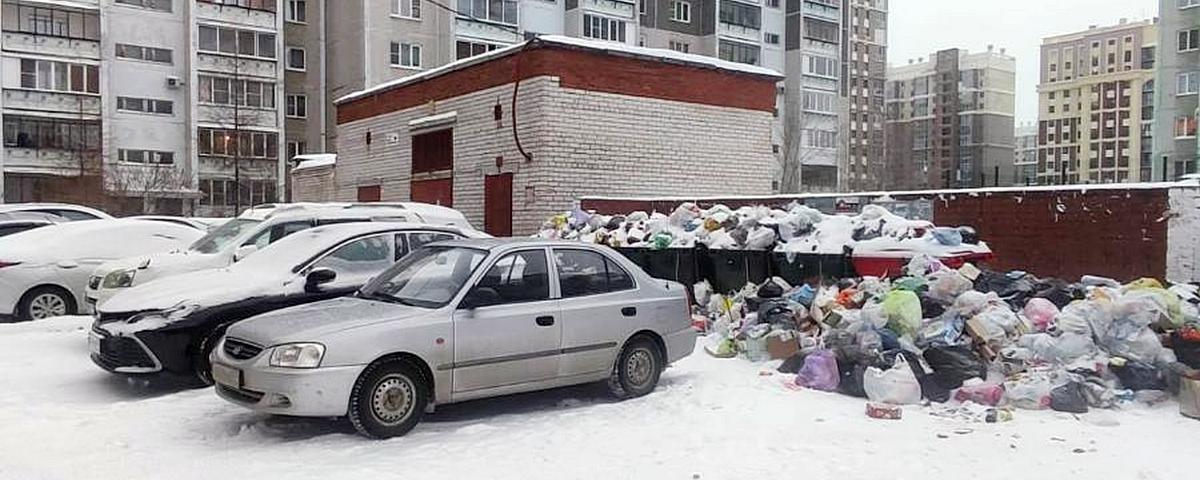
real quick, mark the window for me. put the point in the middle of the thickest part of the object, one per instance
(266, 5)
(741, 14)
(1185, 126)
(225, 193)
(583, 272)
(1189, 83)
(244, 93)
(228, 143)
(296, 11)
(738, 52)
(503, 11)
(467, 49)
(152, 157)
(236, 42)
(771, 38)
(408, 9)
(296, 147)
(160, 5)
(821, 102)
(59, 76)
(148, 54)
(360, 259)
(821, 66)
(814, 138)
(51, 21)
(1189, 40)
(297, 106)
(603, 28)
(145, 105)
(49, 133)
(775, 3)
(517, 277)
(297, 59)
(681, 11)
(406, 55)
(641, 7)
(420, 239)
(679, 46)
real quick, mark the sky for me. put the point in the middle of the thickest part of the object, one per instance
(918, 28)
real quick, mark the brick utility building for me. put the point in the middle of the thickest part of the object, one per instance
(590, 118)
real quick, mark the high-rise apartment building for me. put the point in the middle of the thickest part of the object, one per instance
(864, 26)
(1177, 96)
(1095, 102)
(1025, 154)
(950, 120)
(142, 105)
(368, 42)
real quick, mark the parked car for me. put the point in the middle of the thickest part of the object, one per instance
(169, 325)
(17, 222)
(456, 321)
(202, 224)
(43, 272)
(65, 210)
(253, 230)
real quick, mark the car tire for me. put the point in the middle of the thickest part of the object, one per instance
(45, 302)
(388, 400)
(201, 365)
(637, 369)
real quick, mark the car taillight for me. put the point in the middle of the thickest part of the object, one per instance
(8, 264)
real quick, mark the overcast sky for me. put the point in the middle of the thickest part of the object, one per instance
(921, 27)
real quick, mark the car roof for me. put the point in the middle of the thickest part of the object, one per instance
(17, 207)
(499, 243)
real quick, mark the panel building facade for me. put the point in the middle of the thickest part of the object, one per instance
(1177, 92)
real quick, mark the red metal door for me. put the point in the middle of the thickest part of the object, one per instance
(437, 192)
(370, 193)
(498, 205)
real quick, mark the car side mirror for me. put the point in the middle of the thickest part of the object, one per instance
(318, 277)
(480, 297)
(243, 252)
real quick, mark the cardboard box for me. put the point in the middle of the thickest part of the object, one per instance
(782, 346)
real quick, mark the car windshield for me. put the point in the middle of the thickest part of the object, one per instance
(429, 277)
(218, 239)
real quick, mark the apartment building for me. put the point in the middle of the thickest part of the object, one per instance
(1025, 154)
(1095, 105)
(1177, 96)
(864, 73)
(950, 120)
(142, 105)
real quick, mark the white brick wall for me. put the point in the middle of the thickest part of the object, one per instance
(1183, 252)
(582, 143)
(314, 185)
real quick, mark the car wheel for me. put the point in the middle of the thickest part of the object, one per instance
(388, 399)
(637, 369)
(45, 302)
(201, 365)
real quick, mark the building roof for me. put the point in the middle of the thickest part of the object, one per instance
(610, 48)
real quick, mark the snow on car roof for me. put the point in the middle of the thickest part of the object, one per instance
(299, 247)
(97, 238)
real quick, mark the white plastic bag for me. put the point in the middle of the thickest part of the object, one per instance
(760, 238)
(897, 386)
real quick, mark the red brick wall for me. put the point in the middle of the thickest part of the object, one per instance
(580, 69)
(1062, 233)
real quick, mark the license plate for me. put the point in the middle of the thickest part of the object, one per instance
(94, 343)
(226, 375)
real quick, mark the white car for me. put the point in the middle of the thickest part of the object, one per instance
(43, 272)
(253, 230)
(64, 210)
(455, 321)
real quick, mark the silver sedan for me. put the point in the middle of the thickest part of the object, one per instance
(456, 321)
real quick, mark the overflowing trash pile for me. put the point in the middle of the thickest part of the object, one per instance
(973, 344)
(796, 229)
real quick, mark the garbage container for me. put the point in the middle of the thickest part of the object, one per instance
(676, 264)
(730, 270)
(803, 266)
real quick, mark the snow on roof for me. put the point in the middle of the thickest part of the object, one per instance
(916, 193)
(313, 160)
(608, 47)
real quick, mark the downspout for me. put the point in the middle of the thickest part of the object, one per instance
(324, 79)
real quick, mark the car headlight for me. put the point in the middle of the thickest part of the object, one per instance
(297, 355)
(120, 278)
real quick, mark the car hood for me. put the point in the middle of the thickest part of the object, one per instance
(202, 289)
(310, 322)
(159, 265)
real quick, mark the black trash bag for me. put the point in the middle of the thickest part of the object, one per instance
(930, 389)
(615, 222)
(930, 308)
(1068, 398)
(1058, 292)
(793, 363)
(1140, 376)
(969, 235)
(853, 362)
(770, 290)
(1014, 289)
(954, 364)
(777, 312)
(1187, 351)
(851, 382)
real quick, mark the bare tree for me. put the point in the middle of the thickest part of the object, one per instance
(149, 182)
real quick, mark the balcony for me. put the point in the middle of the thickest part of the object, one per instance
(485, 30)
(233, 14)
(83, 105)
(248, 168)
(51, 45)
(823, 12)
(33, 161)
(740, 32)
(619, 8)
(241, 66)
(246, 116)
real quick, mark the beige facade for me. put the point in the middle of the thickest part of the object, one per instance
(1094, 88)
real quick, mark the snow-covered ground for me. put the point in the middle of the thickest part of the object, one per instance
(63, 418)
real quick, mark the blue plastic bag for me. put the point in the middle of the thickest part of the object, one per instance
(950, 237)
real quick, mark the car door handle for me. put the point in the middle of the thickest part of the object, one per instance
(545, 321)
(629, 311)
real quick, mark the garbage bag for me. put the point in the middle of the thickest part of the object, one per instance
(922, 264)
(950, 237)
(760, 238)
(1145, 283)
(793, 363)
(897, 385)
(910, 283)
(998, 318)
(770, 289)
(819, 371)
(1127, 339)
(969, 235)
(952, 365)
(982, 393)
(903, 311)
(1068, 397)
(1031, 392)
(1062, 349)
(947, 285)
(1058, 292)
(1135, 375)
(971, 303)
(1040, 313)
(803, 295)
(1186, 343)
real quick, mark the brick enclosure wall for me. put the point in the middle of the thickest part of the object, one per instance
(313, 185)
